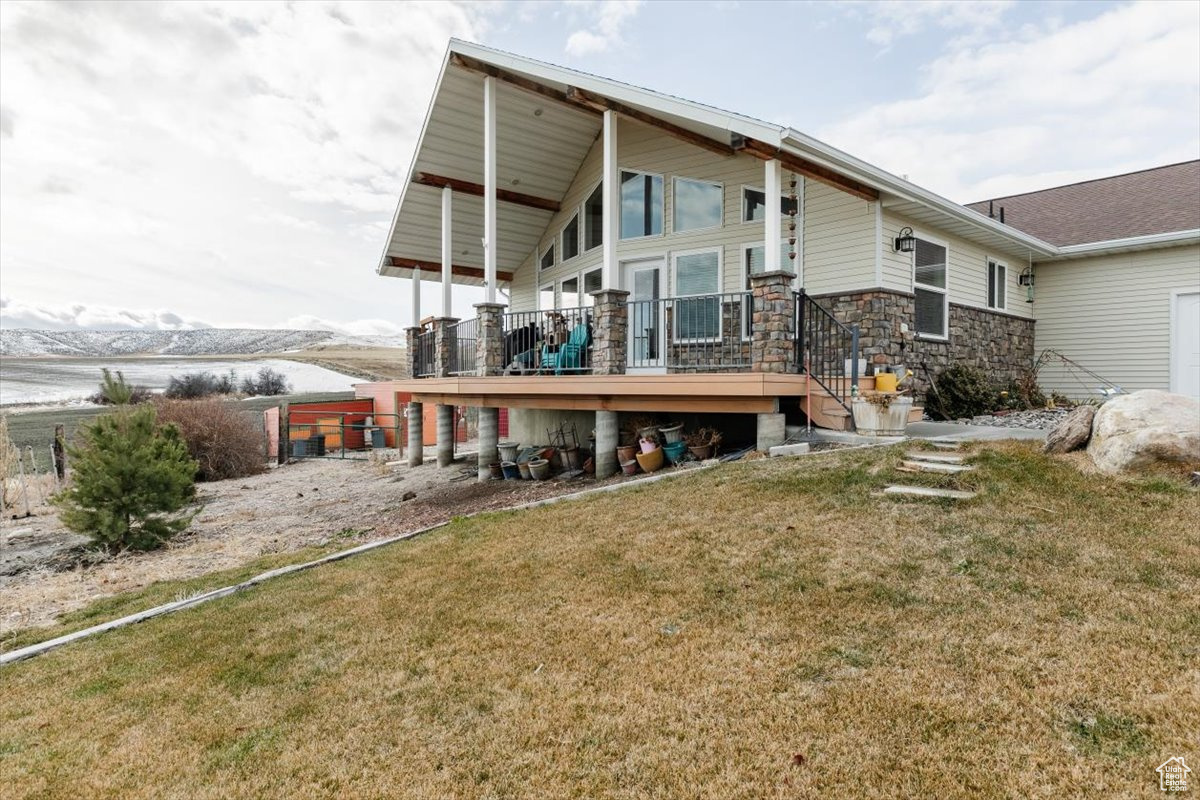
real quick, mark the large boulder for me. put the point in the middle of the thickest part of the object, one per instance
(1138, 429)
(1073, 432)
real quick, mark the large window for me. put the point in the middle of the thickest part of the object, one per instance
(698, 205)
(593, 281)
(547, 260)
(697, 309)
(568, 293)
(546, 298)
(929, 287)
(570, 239)
(997, 290)
(754, 205)
(593, 219)
(641, 205)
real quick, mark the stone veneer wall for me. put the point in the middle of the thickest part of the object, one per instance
(1000, 344)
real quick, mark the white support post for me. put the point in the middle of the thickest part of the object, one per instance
(447, 252)
(416, 298)
(489, 186)
(611, 199)
(773, 229)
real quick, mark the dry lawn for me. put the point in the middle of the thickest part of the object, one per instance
(762, 630)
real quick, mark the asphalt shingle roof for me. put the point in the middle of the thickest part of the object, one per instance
(1159, 200)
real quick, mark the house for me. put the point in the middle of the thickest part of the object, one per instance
(658, 255)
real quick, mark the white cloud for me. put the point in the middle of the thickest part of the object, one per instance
(1051, 104)
(605, 21)
(894, 20)
(16, 314)
(361, 327)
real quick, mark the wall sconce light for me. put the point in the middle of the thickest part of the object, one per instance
(905, 242)
(1026, 279)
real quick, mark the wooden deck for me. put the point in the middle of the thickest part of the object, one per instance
(740, 392)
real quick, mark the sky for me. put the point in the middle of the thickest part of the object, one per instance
(182, 165)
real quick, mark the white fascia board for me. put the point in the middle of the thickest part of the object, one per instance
(1147, 242)
(827, 156)
(624, 92)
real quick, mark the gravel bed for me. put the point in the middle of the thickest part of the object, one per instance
(1041, 419)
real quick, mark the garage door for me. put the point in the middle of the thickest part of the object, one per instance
(1185, 345)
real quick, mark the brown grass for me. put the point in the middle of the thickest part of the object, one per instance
(772, 629)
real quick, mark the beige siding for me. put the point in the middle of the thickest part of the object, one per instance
(967, 273)
(1112, 315)
(839, 240)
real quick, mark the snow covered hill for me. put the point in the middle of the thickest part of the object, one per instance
(19, 342)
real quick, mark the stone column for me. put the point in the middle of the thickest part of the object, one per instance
(444, 339)
(416, 434)
(610, 332)
(489, 439)
(772, 344)
(410, 350)
(445, 435)
(489, 342)
(772, 431)
(608, 433)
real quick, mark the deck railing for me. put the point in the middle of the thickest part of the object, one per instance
(557, 342)
(423, 359)
(699, 333)
(826, 349)
(462, 355)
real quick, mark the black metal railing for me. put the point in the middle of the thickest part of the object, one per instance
(826, 349)
(423, 359)
(557, 342)
(462, 352)
(699, 333)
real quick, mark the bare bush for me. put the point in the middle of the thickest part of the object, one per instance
(267, 383)
(226, 442)
(195, 385)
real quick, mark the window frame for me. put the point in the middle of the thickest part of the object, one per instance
(675, 179)
(552, 286)
(584, 295)
(583, 248)
(944, 336)
(558, 291)
(745, 249)
(675, 295)
(662, 204)
(551, 251)
(783, 214)
(562, 237)
(996, 265)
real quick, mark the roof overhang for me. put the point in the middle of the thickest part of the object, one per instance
(1152, 241)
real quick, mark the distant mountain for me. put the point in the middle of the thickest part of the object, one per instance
(207, 341)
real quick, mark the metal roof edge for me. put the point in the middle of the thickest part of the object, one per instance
(1148, 241)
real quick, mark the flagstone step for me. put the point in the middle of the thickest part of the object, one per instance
(943, 458)
(925, 491)
(930, 466)
(944, 445)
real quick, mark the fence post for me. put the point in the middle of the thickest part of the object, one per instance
(489, 339)
(772, 343)
(445, 345)
(60, 452)
(610, 338)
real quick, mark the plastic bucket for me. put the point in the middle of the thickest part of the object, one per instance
(672, 433)
(539, 469)
(674, 451)
(508, 450)
(509, 468)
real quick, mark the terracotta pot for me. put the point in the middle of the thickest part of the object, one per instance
(626, 453)
(652, 461)
(630, 467)
(701, 453)
(496, 471)
(589, 467)
(570, 458)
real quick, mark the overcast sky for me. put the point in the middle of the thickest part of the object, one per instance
(235, 164)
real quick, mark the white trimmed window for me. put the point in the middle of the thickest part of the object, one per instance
(997, 287)
(547, 260)
(754, 262)
(568, 293)
(593, 281)
(697, 205)
(546, 298)
(754, 204)
(929, 288)
(593, 219)
(696, 276)
(641, 204)
(570, 239)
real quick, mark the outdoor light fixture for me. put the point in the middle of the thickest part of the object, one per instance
(1026, 279)
(905, 242)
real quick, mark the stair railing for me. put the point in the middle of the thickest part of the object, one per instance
(826, 350)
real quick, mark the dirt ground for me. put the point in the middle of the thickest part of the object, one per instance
(45, 570)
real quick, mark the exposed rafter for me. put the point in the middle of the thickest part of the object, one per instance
(807, 168)
(477, 189)
(435, 267)
(519, 81)
(601, 104)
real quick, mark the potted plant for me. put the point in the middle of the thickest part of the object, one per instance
(881, 413)
(702, 443)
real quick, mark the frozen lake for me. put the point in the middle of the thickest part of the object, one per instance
(54, 380)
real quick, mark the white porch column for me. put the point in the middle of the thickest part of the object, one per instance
(416, 297)
(773, 229)
(447, 252)
(611, 197)
(489, 185)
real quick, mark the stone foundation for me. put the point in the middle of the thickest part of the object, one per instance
(999, 344)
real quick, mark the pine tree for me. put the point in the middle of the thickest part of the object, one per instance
(115, 391)
(131, 476)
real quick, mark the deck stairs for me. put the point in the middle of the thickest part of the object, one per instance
(826, 410)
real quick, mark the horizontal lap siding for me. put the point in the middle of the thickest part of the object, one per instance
(839, 240)
(1112, 314)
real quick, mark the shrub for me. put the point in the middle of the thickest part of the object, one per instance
(117, 391)
(131, 476)
(224, 441)
(195, 385)
(267, 383)
(1023, 393)
(961, 391)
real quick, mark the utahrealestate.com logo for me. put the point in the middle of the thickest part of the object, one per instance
(1173, 775)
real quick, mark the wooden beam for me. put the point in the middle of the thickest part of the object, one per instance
(808, 169)
(435, 267)
(676, 404)
(601, 104)
(477, 189)
(519, 81)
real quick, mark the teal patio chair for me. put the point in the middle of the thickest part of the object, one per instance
(569, 356)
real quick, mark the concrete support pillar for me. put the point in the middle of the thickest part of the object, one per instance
(412, 351)
(608, 433)
(416, 434)
(489, 440)
(445, 346)
(772, 431)
(489, 342)
(445, 435)
(610, 332)
(772, 338)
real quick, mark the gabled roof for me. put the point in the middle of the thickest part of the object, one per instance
(1150, 201)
